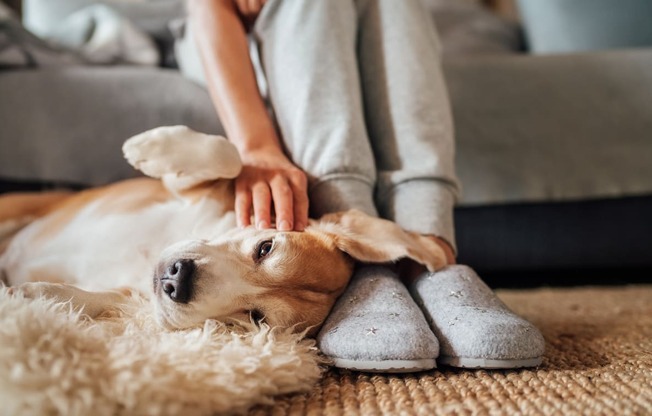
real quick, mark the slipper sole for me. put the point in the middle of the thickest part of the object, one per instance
(386, 366)
(489, 364)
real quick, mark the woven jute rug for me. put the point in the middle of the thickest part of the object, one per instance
(598, 361)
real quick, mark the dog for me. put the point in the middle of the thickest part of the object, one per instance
(175, 232)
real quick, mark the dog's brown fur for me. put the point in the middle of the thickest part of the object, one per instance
(128, 233)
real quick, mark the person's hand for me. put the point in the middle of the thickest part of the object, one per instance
(268, 179)
(249, 9)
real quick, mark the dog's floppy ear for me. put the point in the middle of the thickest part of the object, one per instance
(374, 240)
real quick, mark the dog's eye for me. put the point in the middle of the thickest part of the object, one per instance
(256, 315)
(263, 249)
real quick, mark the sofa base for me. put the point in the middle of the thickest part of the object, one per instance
(583, 235)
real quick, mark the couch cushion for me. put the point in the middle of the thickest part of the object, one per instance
(467, 27)
(553, 128)
(582, 25)
(68, 124)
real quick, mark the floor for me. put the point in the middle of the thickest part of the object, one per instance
(598, 361)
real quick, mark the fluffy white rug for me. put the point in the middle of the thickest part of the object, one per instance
(55, 361)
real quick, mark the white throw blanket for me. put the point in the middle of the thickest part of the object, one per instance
(21, 48)
(102, 36)
(96, 35)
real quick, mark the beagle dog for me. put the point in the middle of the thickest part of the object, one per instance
(174, 235)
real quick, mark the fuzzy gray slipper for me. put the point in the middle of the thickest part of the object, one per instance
(376, 326)
(474, 328)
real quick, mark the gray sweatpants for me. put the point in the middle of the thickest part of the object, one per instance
(358, 94)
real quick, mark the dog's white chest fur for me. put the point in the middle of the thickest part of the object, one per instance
(100, 251)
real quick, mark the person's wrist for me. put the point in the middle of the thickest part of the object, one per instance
(252, 150)
(256, 138)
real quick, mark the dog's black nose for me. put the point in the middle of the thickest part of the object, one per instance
(177, 280)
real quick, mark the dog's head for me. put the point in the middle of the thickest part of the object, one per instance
(288, 279)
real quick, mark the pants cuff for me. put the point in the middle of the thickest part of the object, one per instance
(341, 194)
(422, 206)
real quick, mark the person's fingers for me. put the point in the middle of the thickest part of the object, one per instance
(249, 8)
(242, 6)
(300, 211)
(262, 202)
(242, 205)
(283, 201)
(299, 185)
(254, 7)
(259, 6)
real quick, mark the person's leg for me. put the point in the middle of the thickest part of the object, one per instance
(308, 58)
(308, 54)
(408, 116)
(410, 126)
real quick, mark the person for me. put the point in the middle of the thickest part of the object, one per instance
(342, 104)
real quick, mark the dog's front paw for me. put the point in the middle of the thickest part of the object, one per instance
(35, 290)
(91, 304)
(182, 153)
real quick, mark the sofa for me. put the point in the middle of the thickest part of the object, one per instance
(554, 150)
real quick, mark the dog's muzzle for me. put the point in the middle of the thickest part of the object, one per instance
(176, 280)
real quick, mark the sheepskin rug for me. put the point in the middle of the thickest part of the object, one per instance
(56, 361)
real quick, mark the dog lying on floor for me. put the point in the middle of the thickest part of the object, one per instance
(93, 247)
